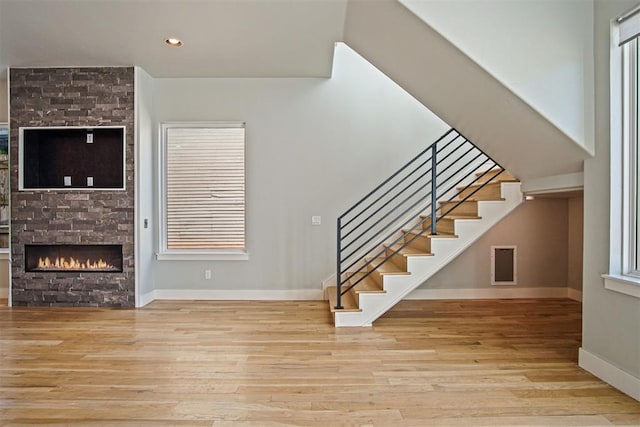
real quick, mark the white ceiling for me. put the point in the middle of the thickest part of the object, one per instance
(222, 38)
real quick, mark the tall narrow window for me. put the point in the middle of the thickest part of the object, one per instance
(203, 186)
(630, 163)
(624, 254)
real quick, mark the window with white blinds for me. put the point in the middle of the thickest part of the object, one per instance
(204, 187)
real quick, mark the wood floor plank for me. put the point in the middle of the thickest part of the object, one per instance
(195, 363)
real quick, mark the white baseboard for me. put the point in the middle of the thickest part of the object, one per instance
(609, 373)
(231, 295)
(488, 293)
(574, 294)
(146, 298)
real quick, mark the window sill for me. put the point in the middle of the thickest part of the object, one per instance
(627, 285)
(202, 256)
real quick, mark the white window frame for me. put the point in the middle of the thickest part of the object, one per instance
(623, 275)
(165, 253)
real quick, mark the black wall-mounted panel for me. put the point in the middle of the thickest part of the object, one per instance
(51, 154)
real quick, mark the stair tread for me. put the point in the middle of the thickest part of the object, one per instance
(348, 301)
(454, 216)
(493, 199)
(440, 235)
(479, 184)
(444, 202)
(387, 267)
(408, 250)
(502, 176)
(479, 173)
(367, 285)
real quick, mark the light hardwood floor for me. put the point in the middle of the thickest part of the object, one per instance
(425, 363)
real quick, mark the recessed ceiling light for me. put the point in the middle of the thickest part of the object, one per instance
(171, 41)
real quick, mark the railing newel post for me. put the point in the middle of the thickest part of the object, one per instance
(338, 268)
(434, 189)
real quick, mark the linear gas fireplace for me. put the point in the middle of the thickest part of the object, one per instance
(73, 258)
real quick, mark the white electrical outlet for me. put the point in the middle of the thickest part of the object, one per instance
(89, 181)
(67, 181)
(316, 220)
(207, 274)
(89, 138)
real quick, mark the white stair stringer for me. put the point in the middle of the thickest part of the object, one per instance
(445, 249)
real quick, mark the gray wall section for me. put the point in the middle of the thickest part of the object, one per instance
(575, 242)
(539, 230)
(313, 147)
(145, 224)
(610, 319)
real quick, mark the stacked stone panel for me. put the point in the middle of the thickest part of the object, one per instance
(45, 97)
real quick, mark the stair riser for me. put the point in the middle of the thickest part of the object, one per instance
(465, 208)
(504, 176)
(398, 259)
(445, 226)
(377, 277)
(490, 191)
(356, 297)
(422, 243)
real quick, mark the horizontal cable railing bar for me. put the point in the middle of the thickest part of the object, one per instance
(468, 196)
(345, 236)
(388, 212)
(395, 174)
(427, 160)
(391, 233)
(397, 218)
(383, 195)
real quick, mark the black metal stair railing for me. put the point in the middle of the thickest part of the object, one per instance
(393, 215)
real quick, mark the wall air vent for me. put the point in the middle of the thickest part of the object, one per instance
(504, 265)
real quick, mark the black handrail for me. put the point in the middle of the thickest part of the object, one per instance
(396, 209)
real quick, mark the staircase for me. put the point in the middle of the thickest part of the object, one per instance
(392, 241)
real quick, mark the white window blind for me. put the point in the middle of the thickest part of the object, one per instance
(205, 191)
(629, 26)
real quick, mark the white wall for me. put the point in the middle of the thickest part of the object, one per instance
(144, 184)
(542, 50)
(459, 90)
(610, 319)
(314, 147)
(539, 230)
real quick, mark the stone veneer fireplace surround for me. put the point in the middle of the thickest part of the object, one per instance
(72, 97)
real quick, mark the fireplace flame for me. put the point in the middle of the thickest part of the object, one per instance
(72, 263)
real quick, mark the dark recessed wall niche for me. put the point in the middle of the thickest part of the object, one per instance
(72, 158)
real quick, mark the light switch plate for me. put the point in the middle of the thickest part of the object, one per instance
(316, 220)
(89, 138)
(67, 181)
